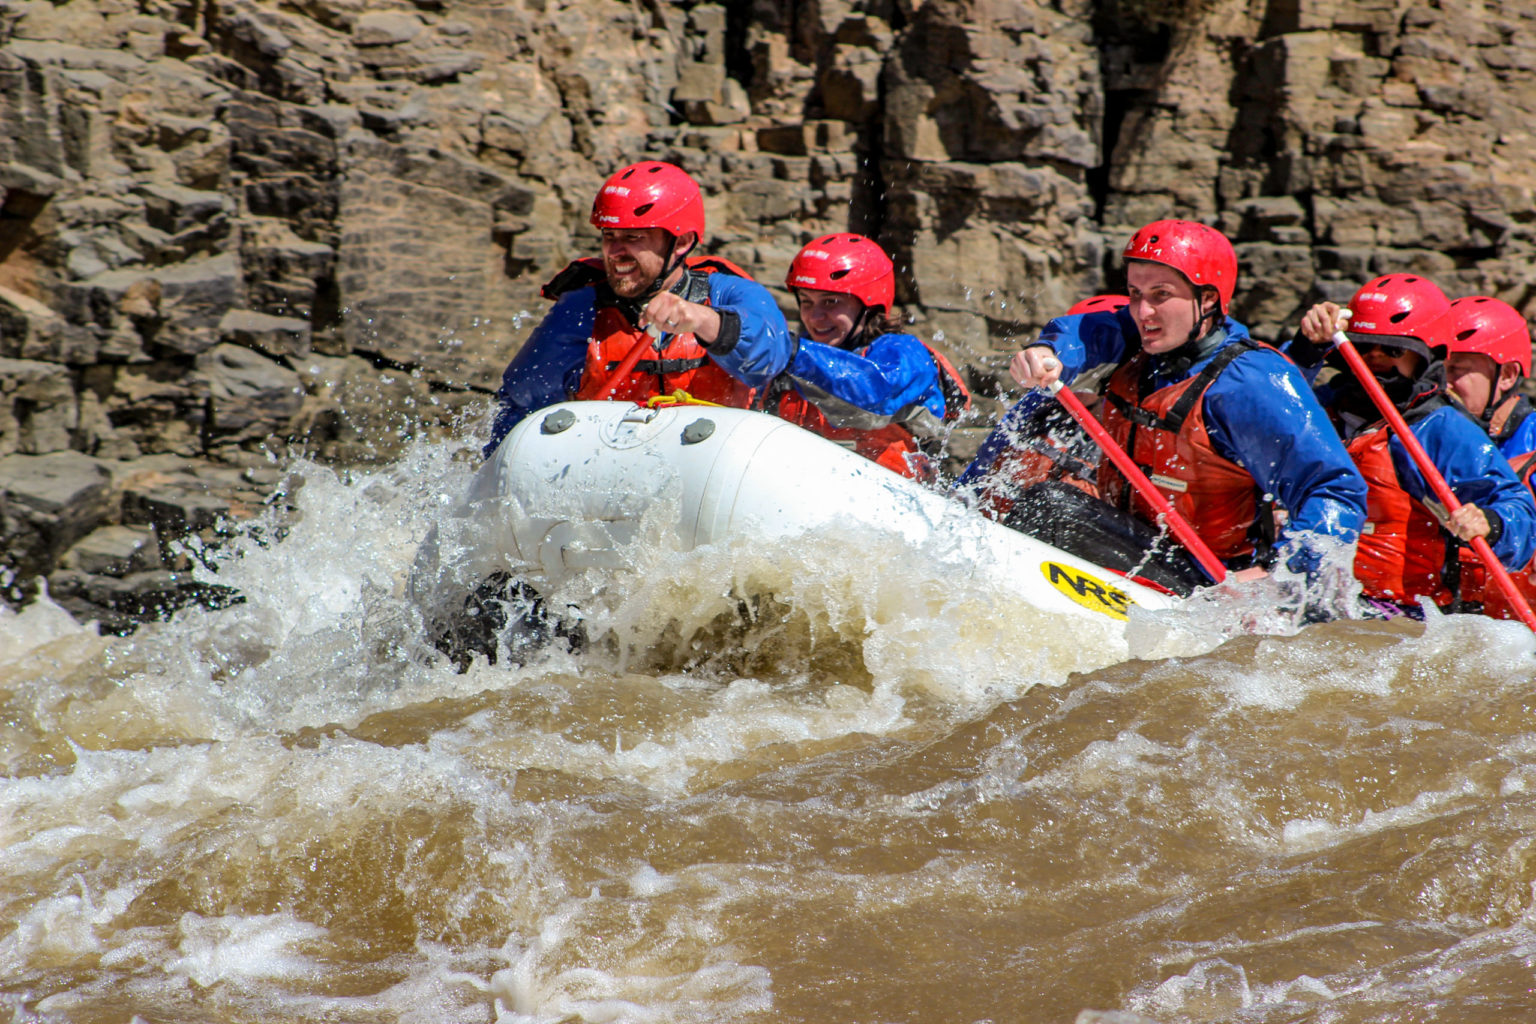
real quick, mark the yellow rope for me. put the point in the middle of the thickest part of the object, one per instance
(678, 397)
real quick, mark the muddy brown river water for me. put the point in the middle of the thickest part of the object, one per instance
(872, 797)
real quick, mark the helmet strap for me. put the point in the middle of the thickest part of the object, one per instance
(1497, 398)
(855, 336)
(1206, 320)
(669, 264)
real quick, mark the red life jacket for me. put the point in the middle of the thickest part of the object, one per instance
(1401, 556)
(1477, 585)
(1165, 434)
(894, 445)
(682, 364)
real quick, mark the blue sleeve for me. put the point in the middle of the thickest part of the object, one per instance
(548, 366)
(1478, 474)
(1086, 340)
(763, 348)
(1015, 425)
(1306, 355)
(893, 373)
(1261, 415)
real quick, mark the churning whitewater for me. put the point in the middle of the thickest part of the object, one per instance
(781, 781)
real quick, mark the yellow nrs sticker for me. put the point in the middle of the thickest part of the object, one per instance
(1086, 590)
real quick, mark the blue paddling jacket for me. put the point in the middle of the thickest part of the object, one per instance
(871, 386)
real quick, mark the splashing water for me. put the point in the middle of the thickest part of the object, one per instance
(784, 782)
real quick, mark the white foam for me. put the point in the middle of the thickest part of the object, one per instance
(245, 948)
(33, 627)
(549, 978)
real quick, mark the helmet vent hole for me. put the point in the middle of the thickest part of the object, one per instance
(643, 209)
(626, 174)
(1464, 335)
(1152, 240)
(838, 275)
(1398, 318)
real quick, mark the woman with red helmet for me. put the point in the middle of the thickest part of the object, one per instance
(1400, 324)
(1226, 426)
(856, 377)
(722, 336)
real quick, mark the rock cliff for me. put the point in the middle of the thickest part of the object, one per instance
(235, 228)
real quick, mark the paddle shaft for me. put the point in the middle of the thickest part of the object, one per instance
(1432, 475)
(1162, 506)
(651, 337)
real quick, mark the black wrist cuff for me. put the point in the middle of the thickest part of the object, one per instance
(1495, 526)
(1305, 353)
(729, 335)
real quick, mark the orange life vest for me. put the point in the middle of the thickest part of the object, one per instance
(681, 364)
(1401, 556)
(1165, 434)
(1477, 585)
(892, 446)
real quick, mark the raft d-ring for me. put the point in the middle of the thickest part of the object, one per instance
(555, 422)
(698, 430)
(639, 414)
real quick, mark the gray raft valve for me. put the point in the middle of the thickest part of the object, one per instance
(560, 419)
(698, 430)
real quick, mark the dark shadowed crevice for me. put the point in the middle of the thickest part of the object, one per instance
(18, 209)
(1132, 51)
(1117, 104)
(1472, 256)
(738, 58)
(867, 193)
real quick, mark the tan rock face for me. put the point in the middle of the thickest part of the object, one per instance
(402, 178)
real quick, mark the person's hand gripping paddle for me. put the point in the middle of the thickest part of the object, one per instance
(1431, 474)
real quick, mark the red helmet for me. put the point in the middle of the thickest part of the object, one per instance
(650, 194)
(1399, 306)
(845, 263)
(1100, 304)
(1200, 253)
(1490, 328)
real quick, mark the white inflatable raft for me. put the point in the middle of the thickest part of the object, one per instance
(569, 487)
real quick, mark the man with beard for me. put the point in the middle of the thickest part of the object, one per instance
(701, 325)
(1488, 358)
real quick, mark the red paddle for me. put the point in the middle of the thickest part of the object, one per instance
(1164, 508)
(1432, 475)
(652, 336)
